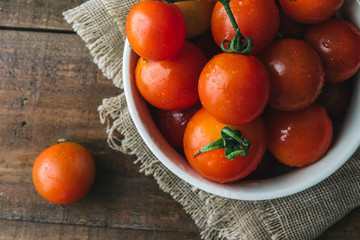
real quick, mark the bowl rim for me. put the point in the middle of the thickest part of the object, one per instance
(266, 189)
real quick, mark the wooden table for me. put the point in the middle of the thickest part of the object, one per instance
(50, 89)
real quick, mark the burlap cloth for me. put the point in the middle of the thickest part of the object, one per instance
(101, 24)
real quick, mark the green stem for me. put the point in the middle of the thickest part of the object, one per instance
(239, 44)
(226, 4)
(232, 141)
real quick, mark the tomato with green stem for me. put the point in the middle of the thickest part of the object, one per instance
(155, 30)
(205, 150)
(258, 20)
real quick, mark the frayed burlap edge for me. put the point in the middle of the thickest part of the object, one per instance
(97, 28)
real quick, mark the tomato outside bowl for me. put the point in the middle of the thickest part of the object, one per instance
(343, 147)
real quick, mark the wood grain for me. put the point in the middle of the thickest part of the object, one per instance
(41, 231)
(49, 89)
(347, 228)
(37, 14)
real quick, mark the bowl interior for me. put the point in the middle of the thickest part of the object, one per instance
(344, 145)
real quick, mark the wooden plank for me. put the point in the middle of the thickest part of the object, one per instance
(39, 231)
(347, 228)
(38, 14)
(50, 88)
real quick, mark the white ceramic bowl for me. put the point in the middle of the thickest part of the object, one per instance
(295, 181)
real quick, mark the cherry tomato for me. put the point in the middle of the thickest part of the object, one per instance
(299, 138)
(213, 165)
(197, 16)
(155, 30)
(64, 173)
(234, 88)
(338, 43)
(171, 85)
(335, 98)
(296, 74)
(172, 124)
(310, 11)
(257, 19)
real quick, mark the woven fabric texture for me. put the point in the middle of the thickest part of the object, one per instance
(101, 25)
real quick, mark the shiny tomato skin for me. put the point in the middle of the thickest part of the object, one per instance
(213, 165)
(310, 11)
(257, 19)
(296, 74)
(197, 16)
(172, 124)
(299, 138)
(64, 173)
(234, 88)
(155, 30)
(171, 85)
(338, 44)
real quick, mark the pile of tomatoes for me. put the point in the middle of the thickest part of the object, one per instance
(226, 110)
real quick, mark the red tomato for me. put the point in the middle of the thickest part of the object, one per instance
(64, 173)
(338, 44)
(299, 138)
(310, 11)
(335, 98)
(155, 30)
(257, 19)
(171, 85)
(172, 124)
(234, 88)
(296, 74)
(213, 165)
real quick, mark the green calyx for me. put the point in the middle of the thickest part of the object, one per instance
(232, 141)
(239, 44)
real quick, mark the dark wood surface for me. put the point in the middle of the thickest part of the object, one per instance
(49, 89)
